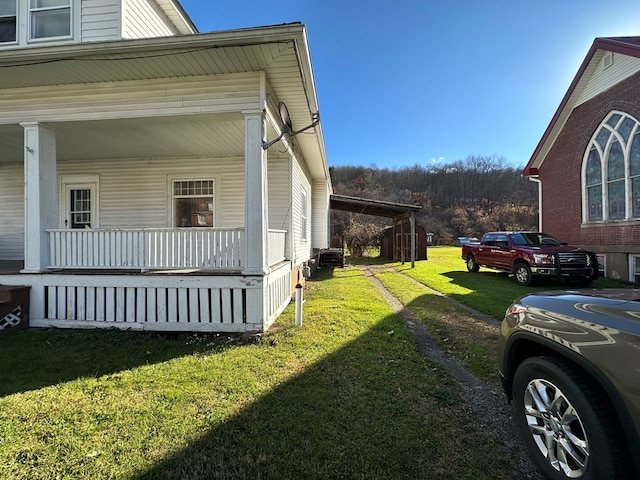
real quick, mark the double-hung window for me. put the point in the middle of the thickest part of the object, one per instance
(8, 21)
(49, 18)
(193, 203)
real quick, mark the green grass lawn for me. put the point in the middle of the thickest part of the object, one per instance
(347, 395)
(487, 291)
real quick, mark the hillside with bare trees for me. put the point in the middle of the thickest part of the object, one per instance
(465, 198)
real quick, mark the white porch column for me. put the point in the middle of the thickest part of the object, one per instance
(256, 208)
(40, 200)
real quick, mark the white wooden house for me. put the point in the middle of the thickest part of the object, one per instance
(137, 186)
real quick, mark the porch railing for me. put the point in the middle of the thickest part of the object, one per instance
(276, 246)
(210, 248)
(217, 248)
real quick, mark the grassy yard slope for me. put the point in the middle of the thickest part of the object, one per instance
(348, 395)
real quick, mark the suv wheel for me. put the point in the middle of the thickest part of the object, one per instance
(522, 274)
(568, 427)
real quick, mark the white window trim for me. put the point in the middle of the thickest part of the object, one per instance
(602, 263)
(632, 278)
(17, 15)
(603, 167)
(23, 28)
(30, 10)
(304, 215)
(77, 182)
(190, 178)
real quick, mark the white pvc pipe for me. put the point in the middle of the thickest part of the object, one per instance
(298, 305)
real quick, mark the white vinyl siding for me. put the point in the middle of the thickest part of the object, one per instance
(320, 214)
(135, 193)
(12, 201)
(279, 194)
(183, 96)
(300, 181)
(144, 19)
(279, 199)
(100, 20)
(604, 78)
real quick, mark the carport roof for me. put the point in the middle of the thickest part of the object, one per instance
(371, 207)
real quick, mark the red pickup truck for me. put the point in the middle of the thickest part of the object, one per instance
(526, 254)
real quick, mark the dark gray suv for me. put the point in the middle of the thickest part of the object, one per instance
(570, 362)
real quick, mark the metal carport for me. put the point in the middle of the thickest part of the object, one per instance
(379, 208)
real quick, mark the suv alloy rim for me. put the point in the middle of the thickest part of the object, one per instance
(556, 428)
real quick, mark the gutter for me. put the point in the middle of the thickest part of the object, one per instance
(537, 180)
(227, 38)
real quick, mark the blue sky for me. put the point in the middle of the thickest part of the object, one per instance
(420, 82)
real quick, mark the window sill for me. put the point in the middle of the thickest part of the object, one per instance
(611, 223)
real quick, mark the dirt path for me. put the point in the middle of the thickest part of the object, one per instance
(485, 401)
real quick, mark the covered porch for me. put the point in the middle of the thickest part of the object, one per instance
(139, 193)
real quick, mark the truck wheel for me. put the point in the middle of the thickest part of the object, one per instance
(472, 266)
(522, 274)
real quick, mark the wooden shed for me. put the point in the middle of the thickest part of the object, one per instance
(395, 238)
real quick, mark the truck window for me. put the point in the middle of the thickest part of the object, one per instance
(518, 239)
(490, 239)
(502, 241)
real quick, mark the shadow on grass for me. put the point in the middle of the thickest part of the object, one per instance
(492, 292)
(473, 281)
(369, 410)
(36, 358)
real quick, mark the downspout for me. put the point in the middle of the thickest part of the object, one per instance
(537, 180)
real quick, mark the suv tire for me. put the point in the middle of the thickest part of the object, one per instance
(568, 426)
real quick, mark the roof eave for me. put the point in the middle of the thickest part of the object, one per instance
(616, 45)
(184, 25)
(247, 36)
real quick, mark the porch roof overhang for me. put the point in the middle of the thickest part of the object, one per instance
(377, 208)
(629, 46)
(281, 51)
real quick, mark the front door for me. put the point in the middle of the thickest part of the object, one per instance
(79, 209)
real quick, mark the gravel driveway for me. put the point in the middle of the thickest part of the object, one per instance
(485, 401)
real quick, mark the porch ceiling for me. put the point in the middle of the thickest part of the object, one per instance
(201, 135)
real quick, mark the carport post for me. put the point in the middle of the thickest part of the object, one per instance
(412, 221)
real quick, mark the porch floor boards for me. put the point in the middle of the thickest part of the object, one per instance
(13, 267)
